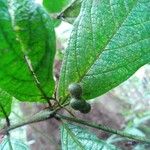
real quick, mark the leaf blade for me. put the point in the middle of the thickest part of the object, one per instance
(71, 12)
(54, 6)
(40, 48)
(75, 137)
(16, 144)
(99, 53)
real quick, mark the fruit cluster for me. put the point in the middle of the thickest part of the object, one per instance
(77, 102)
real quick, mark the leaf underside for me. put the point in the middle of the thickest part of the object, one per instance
(76, 138)
(109, 43)
(16, 144)
(32, 35)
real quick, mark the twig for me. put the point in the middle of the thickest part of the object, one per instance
(41, 116)
(8, 125)
(104, 128)
(61, 106)
(47, 114)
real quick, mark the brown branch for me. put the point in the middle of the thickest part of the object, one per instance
(8, 125)
(104, 128)
(41, 116)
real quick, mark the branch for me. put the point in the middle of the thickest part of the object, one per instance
(8, 125)
(41, 116)
(47, 114)
(104, 128)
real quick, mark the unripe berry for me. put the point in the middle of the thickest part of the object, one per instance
(77, 104)
(86, 109)
(75, 90)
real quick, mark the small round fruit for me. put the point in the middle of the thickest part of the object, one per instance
(75, 90)
(86, 109)
(77, 104)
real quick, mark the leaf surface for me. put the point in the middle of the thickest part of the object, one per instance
(16, 145)
(110, 41)
(76, 138)
(54, 6)
(32, 37)
(71, 12)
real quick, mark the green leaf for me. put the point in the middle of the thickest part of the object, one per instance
(76, 138)
(134, 131)
(16, 145)
(34, 39)
(110, 41)
(70, 13)
(5, 103)
(54, 6)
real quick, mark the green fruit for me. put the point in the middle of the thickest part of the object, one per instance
(77, 104)
(75, 90)
(86, 109)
